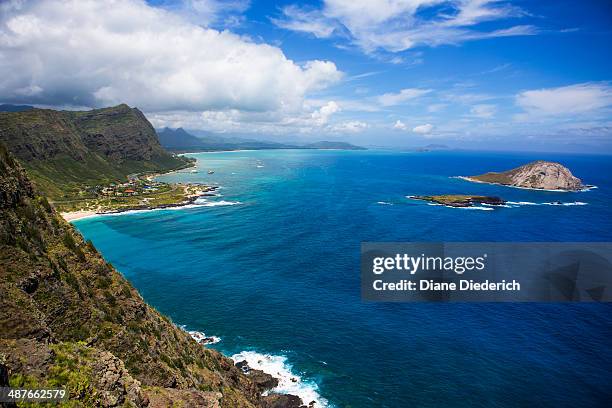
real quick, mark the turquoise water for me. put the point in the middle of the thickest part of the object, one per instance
(273, 269)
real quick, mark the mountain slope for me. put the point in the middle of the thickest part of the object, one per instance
(69, 319)
(65, 151)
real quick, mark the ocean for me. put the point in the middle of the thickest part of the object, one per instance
(271, 267)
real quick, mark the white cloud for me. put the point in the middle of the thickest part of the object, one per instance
(423, 129)
(321, 116)
(90, 53)
(397, 25)
(399, 125)
(572, 100)
(308, 21)
(352, 126)
(483, 111)
(391, 99)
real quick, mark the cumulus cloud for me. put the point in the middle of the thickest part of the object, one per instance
(391, 99)
(92, 53)
(398, 25)
(399, 125)
(423, 129)
(322, 115)
(573, 100)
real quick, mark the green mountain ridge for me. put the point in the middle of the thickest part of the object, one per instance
(66, 151)
(69, 320)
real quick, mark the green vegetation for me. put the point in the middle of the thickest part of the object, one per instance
(67, 153)
(68, 319)
(460, 200)
(492, 177)
(136, 194)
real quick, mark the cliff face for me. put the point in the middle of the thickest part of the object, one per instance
(119, 133)
(69, 319)
(66, 150)
(538, 175)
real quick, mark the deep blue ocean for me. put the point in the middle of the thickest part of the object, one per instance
(276, 277)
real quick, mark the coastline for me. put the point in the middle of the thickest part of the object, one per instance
(472, 180)
(72, 216)
(190, 198)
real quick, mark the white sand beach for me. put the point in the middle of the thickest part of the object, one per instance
(77, 215)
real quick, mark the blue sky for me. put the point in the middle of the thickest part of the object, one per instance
(524, 75)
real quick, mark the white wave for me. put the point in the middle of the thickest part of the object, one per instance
(199, 336)
(383, 203)
(288, 382)
(475, 207)
(205, 203)
(465, 208)
(259, 166)
(146, 210)
(202, 338)
(521, 203)
(498, 205)
(566, 204)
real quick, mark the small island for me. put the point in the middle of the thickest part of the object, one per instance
(460, 200)
(537, 175)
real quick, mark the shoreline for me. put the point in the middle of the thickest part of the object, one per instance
(71, 216)
(470, 179)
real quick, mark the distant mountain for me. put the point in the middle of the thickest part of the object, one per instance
(179, 140)
(15, 108)
(332, 145)
(435, 146)
(432, 146)
(64, 151)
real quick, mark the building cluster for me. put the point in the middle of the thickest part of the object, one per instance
(133, 187)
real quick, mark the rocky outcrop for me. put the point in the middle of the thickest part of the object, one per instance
(283, 401)
(457, 200)
(540, 175)
(114, 383)
(166, 397)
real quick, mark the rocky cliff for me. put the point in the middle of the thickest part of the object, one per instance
(542, 175)
(69, 319)
(64, 151)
